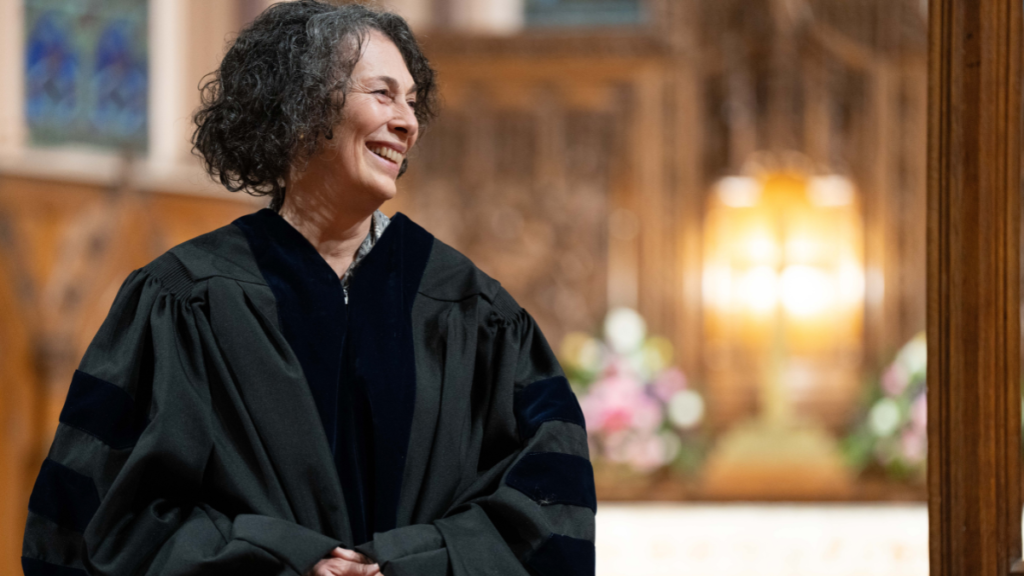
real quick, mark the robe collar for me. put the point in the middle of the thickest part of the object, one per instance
(378, 223)
(377, 324)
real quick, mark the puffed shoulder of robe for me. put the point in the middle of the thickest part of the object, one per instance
(201, 433)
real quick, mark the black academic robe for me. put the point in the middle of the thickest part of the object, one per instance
(234, 416)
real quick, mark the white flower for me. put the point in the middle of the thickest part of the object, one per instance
(884, 417)
(914, 355)
(624, 329)
(686, 409)
(672, 445)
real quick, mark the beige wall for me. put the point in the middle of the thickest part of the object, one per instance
(11, 80)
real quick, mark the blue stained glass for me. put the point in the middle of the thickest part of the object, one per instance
(87, 72)
(51, 74)
(576, 13)
(119, 83)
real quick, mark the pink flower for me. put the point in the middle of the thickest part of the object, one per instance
(914, 445)
(647, 414)
(599, 414)
(616, 366)
(616, 447)
(895, 380)
(668, 383)
(593, 412)
(919, 412)
(642, 452)
(617, 418)
(647, 453)
(612, 404)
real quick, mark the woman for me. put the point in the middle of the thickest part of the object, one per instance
(314, 389)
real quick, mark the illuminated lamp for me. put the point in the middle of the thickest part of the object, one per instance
(783, 300)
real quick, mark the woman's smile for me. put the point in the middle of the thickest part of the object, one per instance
(387, 153)
(386, 158)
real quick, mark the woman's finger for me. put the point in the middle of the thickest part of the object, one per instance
(340, 567)
(367, 570)
(328, 567)
(350, 555)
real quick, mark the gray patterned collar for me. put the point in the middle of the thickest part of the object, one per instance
(380, 222)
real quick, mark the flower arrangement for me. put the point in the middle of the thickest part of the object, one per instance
(641, 412)
(893, 433)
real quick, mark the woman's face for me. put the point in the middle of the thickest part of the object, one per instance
(378, 125)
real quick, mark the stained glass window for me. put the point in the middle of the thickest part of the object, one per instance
(87, 72)
(583, 12)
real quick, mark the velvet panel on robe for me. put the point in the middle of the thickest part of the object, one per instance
(192, 440)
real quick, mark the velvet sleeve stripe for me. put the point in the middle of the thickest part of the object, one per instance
(45, 541)
(564, 556)
(103, 410)
(543, 401)
(33, 567)
(554, 478)
(64, 496)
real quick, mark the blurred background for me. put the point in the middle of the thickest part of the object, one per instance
(715, 209)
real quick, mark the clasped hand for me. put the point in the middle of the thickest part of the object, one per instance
(344, 562)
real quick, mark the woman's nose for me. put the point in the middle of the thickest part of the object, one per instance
(404, 120)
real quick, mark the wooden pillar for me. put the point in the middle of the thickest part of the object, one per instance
(914, 244)
(817, 121)
(652, 203)
(974, 191)
(882, 332)
(687, 105)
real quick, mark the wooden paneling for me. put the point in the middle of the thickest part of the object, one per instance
(684, 149)
(974, 407)
(19, 430)
(541, 168)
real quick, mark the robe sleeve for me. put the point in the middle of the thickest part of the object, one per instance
(532, 511)
(120, 491)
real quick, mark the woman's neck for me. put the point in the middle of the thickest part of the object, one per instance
(335, 230)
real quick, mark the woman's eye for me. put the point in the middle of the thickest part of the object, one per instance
(412, 104)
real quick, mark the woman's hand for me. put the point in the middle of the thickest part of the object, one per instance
(345, 563)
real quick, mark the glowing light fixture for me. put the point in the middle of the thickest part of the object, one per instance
(783, 266)
(783, 292)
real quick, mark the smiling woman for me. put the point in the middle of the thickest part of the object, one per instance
(255, 404)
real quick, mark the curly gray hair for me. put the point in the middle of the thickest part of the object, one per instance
(282, 85)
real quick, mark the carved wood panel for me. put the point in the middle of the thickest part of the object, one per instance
(519, 177)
